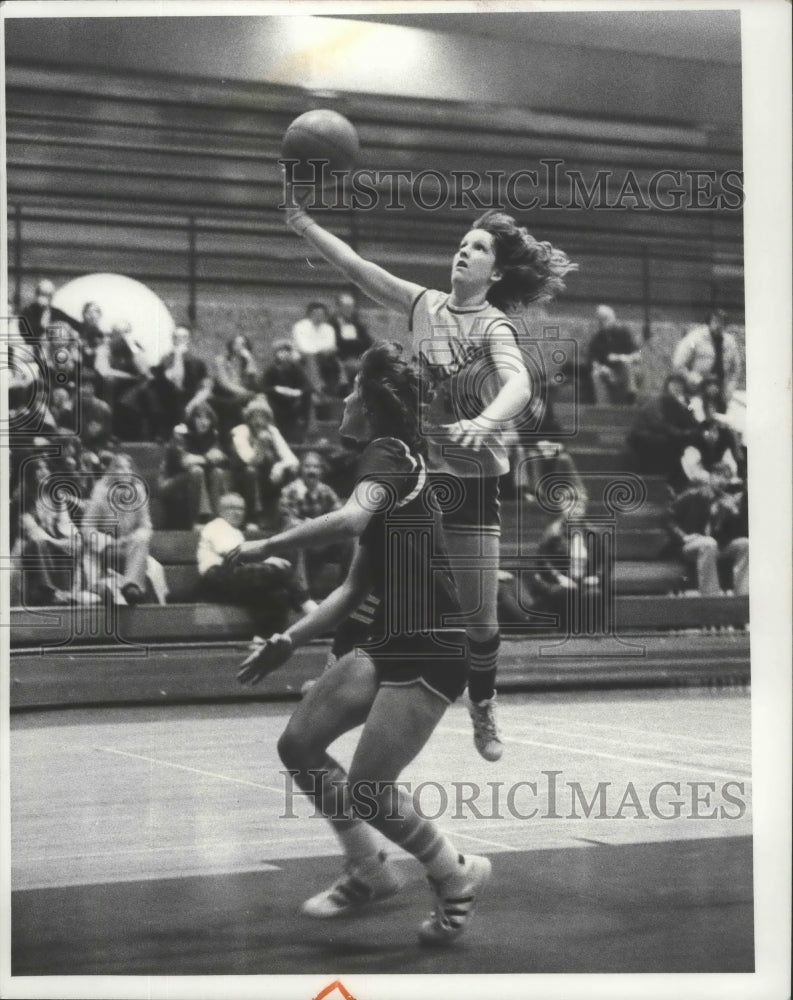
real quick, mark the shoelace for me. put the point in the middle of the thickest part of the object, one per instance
(485, 724)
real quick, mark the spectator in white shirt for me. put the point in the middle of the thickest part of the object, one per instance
(268, 589)
(709, 353)
(315, 341)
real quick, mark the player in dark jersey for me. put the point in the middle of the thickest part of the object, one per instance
(401, 680)
(467, 345)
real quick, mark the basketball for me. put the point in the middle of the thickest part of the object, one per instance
(321, 135)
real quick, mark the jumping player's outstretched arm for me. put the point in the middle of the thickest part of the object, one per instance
(375, 281)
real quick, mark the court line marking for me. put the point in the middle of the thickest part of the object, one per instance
(202, 846)
(480, 840)
(611, 756)
(194, 770)
(723, 758)
(643, 732)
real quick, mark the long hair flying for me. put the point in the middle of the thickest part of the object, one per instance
(532, 270)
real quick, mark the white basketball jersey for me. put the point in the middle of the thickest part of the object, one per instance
(456, 349)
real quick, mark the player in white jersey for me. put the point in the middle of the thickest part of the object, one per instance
(468, 347)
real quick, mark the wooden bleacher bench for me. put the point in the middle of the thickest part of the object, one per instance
(214, 623)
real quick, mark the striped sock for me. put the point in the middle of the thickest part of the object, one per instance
(483, 658)
(327, 786)
(396, 818)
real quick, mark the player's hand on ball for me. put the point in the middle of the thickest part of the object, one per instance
(469, 434)
(266, 656)
(295, 201)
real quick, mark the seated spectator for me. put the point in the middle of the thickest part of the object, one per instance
(301, 500)
(39, 315)
(710, 353)
(288, 392)
(237, 378)
(92, 336)
(202, 442)
(707, 524)
(77, 474)
(547, 458)
(180, 382)
(94, 414)
(62, 410)
(117, 531)
(46, 553)
(127, 374)
(556, 587)
(352, 338)
(182, 485)
(62, 361)
(315, 341)
(262, 462)
(614, 357)
(663, 429)
(713, 443)
(268, 589)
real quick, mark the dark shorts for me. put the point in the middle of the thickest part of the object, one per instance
(469, 504)
(438, 663)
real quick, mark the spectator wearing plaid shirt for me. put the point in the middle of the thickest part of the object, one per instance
(303, 499)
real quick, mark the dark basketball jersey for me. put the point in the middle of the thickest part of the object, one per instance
(413, 590)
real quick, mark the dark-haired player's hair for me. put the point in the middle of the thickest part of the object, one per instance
(531, 270)
(391, 391)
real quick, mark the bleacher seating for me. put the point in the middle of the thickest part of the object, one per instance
(643, 567)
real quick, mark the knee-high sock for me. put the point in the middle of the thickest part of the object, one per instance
(483, 658)
(326, 784)
(391, 810)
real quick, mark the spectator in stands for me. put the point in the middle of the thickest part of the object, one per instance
(566, 569)
(710, 353)
(180, 383)
(544, 459)
(305, 498)
(62, 410)
(40, 314)
(315, 341)
(77, 471)
(268, 589)
(709, 527)
(352, 338)
(181, 485)
(62, 360)
(713, 443)
(262, 462)
(127, 372)
(237, 378)
(614, 358)
(92, 336)
(202, 442)
(95, 415)
(288, 392)
(47, 549)
(117, 531)
(663, 429)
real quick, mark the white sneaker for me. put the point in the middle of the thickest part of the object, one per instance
(486, 738)
(357, 886)
(456, 899)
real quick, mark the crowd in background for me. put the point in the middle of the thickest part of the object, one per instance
(232, 428)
